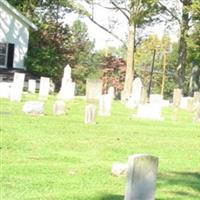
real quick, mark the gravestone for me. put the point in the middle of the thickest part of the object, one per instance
(67, 90)
(31, 86)
(111, 92)
(59, 107)
(93, 90)
(5, 89)
(142, 174)
(151, 110)
(17, 87)
(136, 92)
(90, 114)
(44, 88)
(33, 108)
(196, 97)
(197, 112)
(119, 169)
(187, 103)
(177, 95)
(105, 103)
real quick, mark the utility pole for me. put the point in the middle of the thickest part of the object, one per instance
(164, 70)
(151, 75)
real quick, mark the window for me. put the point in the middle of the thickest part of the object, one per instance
(3, 54)
(6, 55)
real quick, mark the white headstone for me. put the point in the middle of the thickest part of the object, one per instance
(142, 175)
(135, 97)
(105, 103)
(44, 88)
(59, 107)
(156, 99)
(111, 92)
(151, 110)
(31, 86)
(186, 103)
(119, 169)
(90, 114)
(5, 89)
(33, 107)
(67, 89)
(17, 87)
(93, 89)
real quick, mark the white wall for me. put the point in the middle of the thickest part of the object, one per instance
(13, 30)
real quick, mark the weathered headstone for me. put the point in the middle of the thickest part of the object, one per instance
(93, 90)
(33, 107)
(111, 92)
(197, 112)
(177, 95)
(90, 114)
(196, 97)
(152, 110)
(105, 103)
(142, 174)
(31, 86)
(187, 103)
(44, 88)
(135, 97)
(5, 89)
(67, 90)
(17, 87)
(59, 107)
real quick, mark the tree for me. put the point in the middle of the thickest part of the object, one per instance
(56, 44)
(138, 13)
(113, 73)
(186, 17)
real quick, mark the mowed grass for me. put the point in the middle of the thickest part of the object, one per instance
(60, 158)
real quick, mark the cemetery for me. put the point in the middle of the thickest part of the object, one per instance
(83, 124)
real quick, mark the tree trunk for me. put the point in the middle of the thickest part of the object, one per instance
(130, 64)
(182, 50)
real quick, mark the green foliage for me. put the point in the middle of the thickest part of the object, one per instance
(144, 59)
(48, 50)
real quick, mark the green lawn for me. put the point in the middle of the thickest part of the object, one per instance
(60, 158)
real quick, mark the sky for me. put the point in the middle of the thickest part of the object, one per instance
(103, 39)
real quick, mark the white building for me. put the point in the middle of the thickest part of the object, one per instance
(14, 36)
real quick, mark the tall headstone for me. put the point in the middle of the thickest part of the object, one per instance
(67, 89)
(111, 92)
(142, 174)
(44, 88)
(17, 87)
(135, 97)
(93, 90)
(177, 95)
(31, 86)
(90, 114)
(105, 103)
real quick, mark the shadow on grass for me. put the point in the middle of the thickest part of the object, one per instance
(183, 180)
(111, 197)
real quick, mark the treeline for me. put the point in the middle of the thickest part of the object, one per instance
(57, 44)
